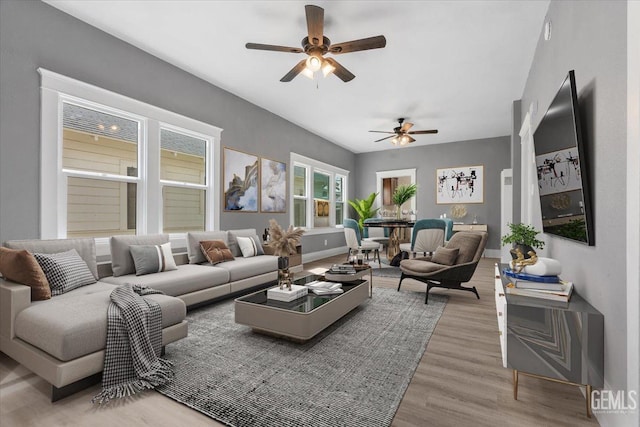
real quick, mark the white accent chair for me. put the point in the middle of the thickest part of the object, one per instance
(354, 241)
(427, 236)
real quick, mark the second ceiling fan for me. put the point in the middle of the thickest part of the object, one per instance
(316, 45)
(401, 134)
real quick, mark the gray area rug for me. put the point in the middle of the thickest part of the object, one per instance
(354, 373)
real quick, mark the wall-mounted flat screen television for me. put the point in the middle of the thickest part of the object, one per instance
(561, 168)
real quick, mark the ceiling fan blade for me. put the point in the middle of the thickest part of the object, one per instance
(315, 23)
(275, 48)
(382, 139)
(375, 42)
(422, 132)
(342, 73)
(405, 127)
(294, 71)
(381, 131)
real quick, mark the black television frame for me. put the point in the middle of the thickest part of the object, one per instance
(554, 225)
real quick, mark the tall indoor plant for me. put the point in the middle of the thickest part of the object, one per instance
(364, 208)
(403, 194)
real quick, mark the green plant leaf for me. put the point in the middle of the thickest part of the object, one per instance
(403, 194)
(363, 208)
(523, 234)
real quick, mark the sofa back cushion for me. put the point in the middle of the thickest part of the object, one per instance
(193, 243)
(470, 245)
(121, 259)
(86, 248)
(233, 242)
(21, 266)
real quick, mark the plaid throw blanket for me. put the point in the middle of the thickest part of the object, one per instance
(134, 342)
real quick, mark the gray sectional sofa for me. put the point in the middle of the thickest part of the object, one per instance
(62, 339)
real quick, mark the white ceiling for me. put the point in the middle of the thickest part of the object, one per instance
(455, 66)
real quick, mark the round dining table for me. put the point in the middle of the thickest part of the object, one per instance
(394, 225)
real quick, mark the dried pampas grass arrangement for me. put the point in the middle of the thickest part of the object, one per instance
(283, 242)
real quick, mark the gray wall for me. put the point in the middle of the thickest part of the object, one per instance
(493, 153)
(34, 34)
(590, 37)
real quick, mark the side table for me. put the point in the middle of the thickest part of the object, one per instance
(361, 271)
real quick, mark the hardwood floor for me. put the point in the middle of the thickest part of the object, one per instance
(460, 380)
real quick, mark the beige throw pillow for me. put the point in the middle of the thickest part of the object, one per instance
(216, 251)
(445, 256)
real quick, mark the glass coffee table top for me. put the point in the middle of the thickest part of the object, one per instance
(303, 305)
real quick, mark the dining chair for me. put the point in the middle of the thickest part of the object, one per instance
(427, 236)
(354, 240)
(376, 234)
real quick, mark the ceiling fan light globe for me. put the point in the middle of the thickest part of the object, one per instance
(394, 141)
(327, 68)
(307, 73)
(314, 63)
(404, 140)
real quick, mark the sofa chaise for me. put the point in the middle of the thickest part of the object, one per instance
(62, 339)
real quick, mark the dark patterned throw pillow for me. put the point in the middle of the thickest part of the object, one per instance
(65, 271)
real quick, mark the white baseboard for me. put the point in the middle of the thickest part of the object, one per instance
(492, 253)
(314, 256)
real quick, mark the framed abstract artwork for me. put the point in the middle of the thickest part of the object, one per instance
(322, 208)
(460, 184)
(240, 185)
(273, 186)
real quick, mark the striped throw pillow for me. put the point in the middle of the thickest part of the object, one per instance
(152, 258)
(250, 246)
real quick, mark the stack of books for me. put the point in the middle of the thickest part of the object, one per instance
(286, 295)
(545, 287)
(320, 287)
(342, 269)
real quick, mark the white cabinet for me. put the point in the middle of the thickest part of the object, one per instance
(501, 313)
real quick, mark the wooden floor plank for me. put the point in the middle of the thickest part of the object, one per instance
(460, 380)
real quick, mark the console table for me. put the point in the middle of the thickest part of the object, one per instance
(469, 227)
(561, 342)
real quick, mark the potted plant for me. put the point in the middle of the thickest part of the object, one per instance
(522, 237)
(403, 194)
(364, 208)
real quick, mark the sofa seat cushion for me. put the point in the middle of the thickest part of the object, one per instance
(185, 279)
(242, 268)
(85, 290)
(68, 328)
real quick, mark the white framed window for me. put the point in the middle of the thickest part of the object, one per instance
(340, 212)
(300, 195)
(113, 165)
(318, 194)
